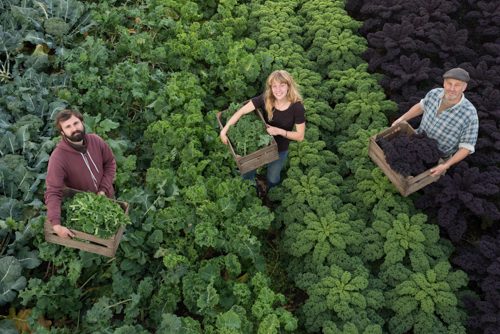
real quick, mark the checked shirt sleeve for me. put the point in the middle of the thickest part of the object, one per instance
(469, 135)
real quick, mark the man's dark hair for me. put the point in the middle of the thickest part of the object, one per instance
(64, 115)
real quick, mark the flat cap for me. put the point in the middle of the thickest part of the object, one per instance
(457, 73)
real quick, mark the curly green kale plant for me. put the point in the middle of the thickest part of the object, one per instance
(402, 234)
(426, 300)
(320, 235)
(343, 296)
(94, 214)
(248, 135)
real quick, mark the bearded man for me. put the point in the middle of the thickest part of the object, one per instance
(80, 161)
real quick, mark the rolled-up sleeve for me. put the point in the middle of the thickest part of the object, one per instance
(469, 135)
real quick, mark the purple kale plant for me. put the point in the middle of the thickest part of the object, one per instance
(406, 72)
(438, 10)
(483, 18)
(481, 262)
(488, 143)
(376, 13)
(463, 195)
(388, 44)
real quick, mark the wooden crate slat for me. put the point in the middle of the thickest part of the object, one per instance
(257, 159)
(395, 178)
(93, 238)
(421, 176)
(419, 185)
(81, 245)
(117, 238)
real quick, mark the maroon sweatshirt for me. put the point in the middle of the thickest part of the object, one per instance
(92, 171)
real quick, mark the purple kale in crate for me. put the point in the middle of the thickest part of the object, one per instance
(410, 155)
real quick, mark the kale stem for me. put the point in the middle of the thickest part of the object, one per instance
(121, 302)
(88, 280)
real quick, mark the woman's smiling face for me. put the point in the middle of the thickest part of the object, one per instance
(280, 89)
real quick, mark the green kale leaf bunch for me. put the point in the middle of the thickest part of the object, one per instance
(249, 135)
(94, 214)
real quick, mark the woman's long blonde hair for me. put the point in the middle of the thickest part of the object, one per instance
(293, 94)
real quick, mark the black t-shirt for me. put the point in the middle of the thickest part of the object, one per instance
(283, 119)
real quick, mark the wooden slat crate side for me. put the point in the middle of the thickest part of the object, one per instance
(117, 238)
(272, 149)
(229, 144)
(261, 158)
(376, 154)
(382, 163)
(85, 236)
(420, 177)
(50, 236)
(415, 186)
(93, 238)
(392, 131)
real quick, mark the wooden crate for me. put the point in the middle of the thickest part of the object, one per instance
(406, 185)
(255, 159)
(87, 242)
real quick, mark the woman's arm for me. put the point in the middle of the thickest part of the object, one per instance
(297, 135)
(247, 108)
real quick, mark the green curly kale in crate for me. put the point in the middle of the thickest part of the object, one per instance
(249, 134)
(249, 142)
(94, 214)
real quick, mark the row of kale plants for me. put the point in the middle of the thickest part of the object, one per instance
(341, 252)
(410, 44)
(30, 37)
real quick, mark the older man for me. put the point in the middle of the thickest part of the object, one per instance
(80, 161)
(449, 118)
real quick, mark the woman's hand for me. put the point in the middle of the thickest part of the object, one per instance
(247, 108)
(223, 137)
(274, 131)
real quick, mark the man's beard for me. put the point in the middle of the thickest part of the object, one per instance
(76, 136)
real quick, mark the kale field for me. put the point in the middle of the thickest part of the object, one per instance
(335, 249)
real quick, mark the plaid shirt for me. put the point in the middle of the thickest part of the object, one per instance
(453, 128)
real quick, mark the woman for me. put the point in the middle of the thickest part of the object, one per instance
(283, 111)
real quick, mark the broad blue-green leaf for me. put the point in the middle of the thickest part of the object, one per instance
(8, 327)
(11, 279)
(28, 258)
